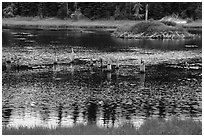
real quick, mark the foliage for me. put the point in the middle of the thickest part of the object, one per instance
(77, 15)
(136, 9)
(62, 12)
(117, 12)
(8, 11)
(105, 10)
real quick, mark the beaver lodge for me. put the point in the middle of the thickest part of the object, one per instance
(151, 30)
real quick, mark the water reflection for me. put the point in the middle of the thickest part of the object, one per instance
(44, 112)
(164, 44)
(161, 108)
(109, 114)
(109, 76)
(59, 110)
(142, 80)
(6, 113)
(63, 39)
(107, 97)
(91, 113)
(65, 95)
(75, 112)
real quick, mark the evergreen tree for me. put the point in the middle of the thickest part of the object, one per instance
(137, 7)
(105, 10)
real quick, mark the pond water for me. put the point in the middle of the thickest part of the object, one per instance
(81, 95)
(98, 40)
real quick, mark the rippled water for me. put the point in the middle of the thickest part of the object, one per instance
(70, 95)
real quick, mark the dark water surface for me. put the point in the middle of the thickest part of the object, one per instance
(99, 40)
(65, 97)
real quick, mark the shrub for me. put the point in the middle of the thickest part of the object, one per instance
(174, 19)
(189, 20)
(62, 13)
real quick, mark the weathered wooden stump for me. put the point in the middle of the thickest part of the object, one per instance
(109, 75)
(117, 64)
(8, 65)
(142, 66)
(72, 55)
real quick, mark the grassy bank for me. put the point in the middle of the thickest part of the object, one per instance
(54, 23)
(149, 127)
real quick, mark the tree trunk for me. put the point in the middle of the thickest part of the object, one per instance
(146, 13)
(40, 10)
(130, 8)
(67, 9)
(75, 5)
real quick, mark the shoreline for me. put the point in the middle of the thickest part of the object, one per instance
(55, 28)
(56, 24)
(127, 58)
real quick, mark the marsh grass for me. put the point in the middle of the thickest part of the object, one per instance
(149, 127)
(58, 23)
(26, 22)
(76, 130)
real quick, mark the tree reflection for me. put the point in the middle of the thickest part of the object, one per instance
(60, 108)
(44, 112)
(75, 112)
(6, 113)
(109, 114)
(91, 112)
(161, 108)
(142, 80)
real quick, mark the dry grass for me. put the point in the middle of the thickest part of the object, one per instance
(150, 127)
